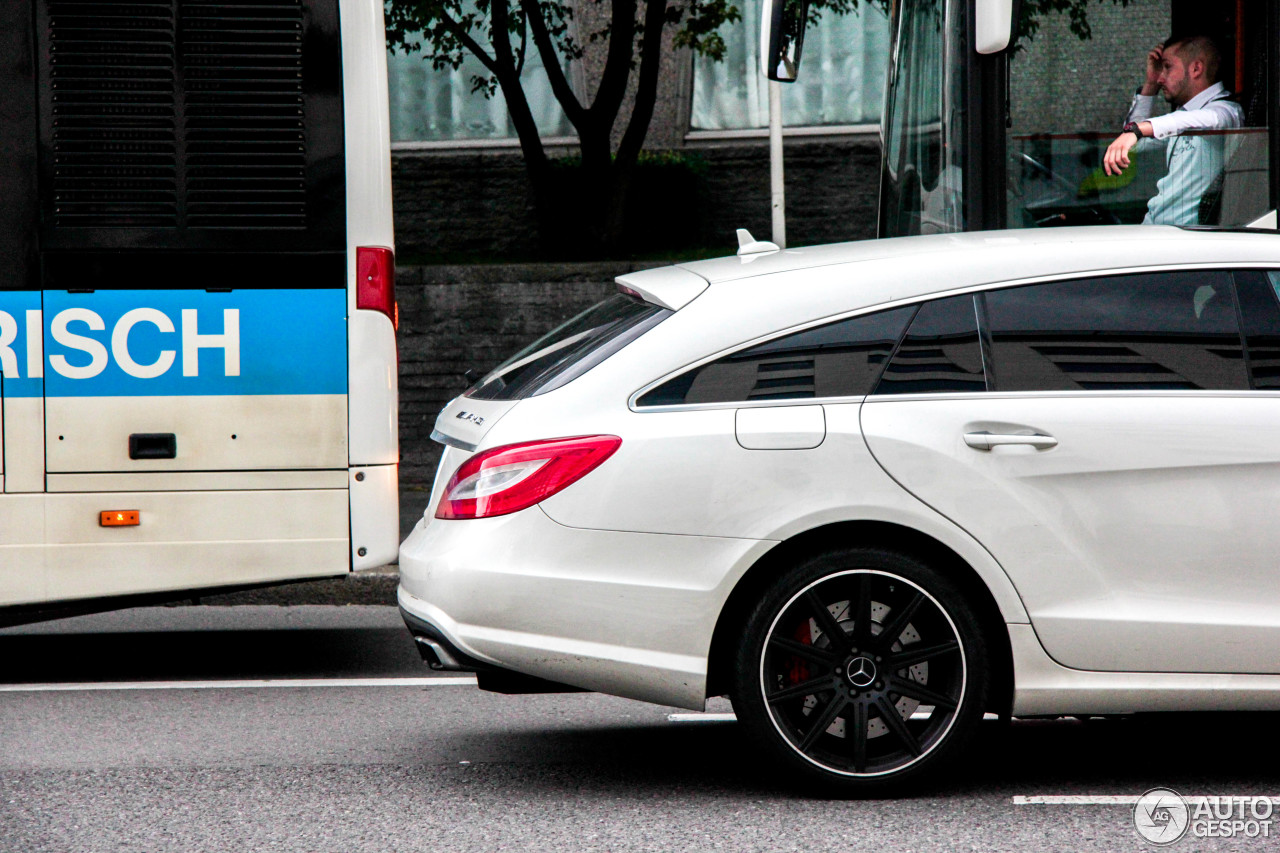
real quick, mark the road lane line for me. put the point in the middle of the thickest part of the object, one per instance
(238, 684)
(732, 717)
(1114, 799)
(729, 717)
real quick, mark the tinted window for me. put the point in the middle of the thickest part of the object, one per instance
(570, 350)
(836, 360)
(1261, 312)
(1156, 331)
(941, 352)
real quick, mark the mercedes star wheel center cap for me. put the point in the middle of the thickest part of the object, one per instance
(861, 672)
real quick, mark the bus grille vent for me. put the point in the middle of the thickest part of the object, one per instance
(245, 138)
(114, 116)
(177, 113)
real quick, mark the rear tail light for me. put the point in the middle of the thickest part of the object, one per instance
(511, 478)
(376, 281)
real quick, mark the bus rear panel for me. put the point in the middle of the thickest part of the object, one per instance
(196, 307)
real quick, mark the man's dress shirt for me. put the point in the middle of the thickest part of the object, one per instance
(1194, 162)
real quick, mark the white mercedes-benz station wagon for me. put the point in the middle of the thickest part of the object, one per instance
(873, 491)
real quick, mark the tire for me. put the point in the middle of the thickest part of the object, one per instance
(866, 706)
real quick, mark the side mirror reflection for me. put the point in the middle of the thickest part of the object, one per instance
(782, 24)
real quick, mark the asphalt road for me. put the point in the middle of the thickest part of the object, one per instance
(438, 766)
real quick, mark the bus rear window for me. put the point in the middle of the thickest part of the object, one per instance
(570, 350)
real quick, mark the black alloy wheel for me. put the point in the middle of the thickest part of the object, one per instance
(862, 669)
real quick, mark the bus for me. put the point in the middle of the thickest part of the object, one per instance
(197, 310)
(998, 114)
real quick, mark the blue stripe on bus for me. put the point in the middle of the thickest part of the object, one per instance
(15, 357)
(136, 343)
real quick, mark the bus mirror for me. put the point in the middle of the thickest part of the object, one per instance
(781, 37)
(993, 29)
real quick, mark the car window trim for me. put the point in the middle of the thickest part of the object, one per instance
(1230, 267)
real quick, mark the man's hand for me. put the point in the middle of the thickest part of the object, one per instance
(1116, 160)
(1155, 64)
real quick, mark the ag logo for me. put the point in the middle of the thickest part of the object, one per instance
(1161, 816)
(469, 416)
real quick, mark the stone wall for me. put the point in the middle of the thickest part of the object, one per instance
(1061, 84)
(478, 202)
(474, 317)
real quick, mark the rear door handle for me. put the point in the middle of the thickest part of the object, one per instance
(986, 440)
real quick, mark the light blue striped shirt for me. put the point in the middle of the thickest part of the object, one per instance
(1194, 162)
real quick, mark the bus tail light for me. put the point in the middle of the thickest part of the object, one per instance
(517, 476)
(119, 518)
(376, 281)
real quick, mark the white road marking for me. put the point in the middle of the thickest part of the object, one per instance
(1111, 799)
(732, 717)
(233, 684)
(729, 717)
(1078, 800)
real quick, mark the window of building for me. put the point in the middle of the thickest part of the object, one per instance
(845, 58)
(1137, 332)
(430, 105)
(841, 359)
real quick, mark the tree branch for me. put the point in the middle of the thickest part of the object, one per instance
(524, 39)
(647, 91)
(512, 90)
(500, 34)
(460, 33)
(617, 66)
(560, 86)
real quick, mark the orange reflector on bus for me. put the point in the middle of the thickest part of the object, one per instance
(118, 518)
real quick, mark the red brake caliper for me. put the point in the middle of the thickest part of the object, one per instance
(798, 668)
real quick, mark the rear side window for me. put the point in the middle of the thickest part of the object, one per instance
(941, 352)
(570, 350)
(1261, 313)
(841, 359)
(1137, 332)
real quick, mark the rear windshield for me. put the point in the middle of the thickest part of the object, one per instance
(571, 350)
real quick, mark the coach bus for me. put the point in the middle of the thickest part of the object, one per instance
(196, 299)
(998, 113)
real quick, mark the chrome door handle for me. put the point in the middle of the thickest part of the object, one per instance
(986, 440)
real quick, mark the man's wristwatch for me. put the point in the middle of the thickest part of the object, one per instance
(1132, 127)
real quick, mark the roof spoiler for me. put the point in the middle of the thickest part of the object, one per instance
(667, 287)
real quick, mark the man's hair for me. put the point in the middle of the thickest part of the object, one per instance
(1203, 48)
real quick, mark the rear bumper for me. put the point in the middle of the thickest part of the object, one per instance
(437, 650)
(631, 614)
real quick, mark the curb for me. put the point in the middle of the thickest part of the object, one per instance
(373, 586)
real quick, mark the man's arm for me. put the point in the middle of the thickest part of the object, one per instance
(1144, 100)
(1116, 160)
(1217, 115)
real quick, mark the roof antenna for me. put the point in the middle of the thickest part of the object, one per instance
(748, 245)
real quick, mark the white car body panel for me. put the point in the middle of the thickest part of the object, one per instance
(1197, 472)
(559, 604)
(1062, 572)
(780, 427)
(1043, 686)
